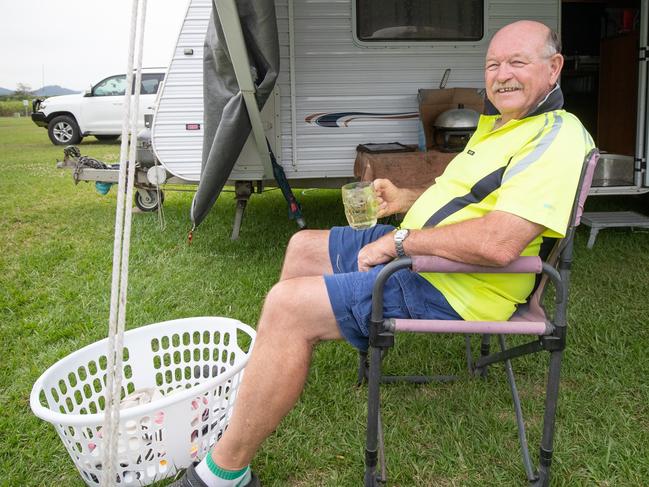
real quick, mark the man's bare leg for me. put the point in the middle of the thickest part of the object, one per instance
(307, 254)
(296, 315)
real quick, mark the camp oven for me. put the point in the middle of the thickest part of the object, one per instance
(453, 128)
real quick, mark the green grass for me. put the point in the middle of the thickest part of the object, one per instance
(55, 269)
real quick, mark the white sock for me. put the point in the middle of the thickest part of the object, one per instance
(214, 476)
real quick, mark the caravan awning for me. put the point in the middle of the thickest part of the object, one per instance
(226, 121)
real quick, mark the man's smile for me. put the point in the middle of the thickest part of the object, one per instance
(507, 90)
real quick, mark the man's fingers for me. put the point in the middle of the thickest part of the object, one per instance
(362, 266)
(379, 183)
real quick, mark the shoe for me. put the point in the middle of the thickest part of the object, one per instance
(191, 479)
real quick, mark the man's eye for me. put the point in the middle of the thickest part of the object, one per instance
(491, 67)
(517, 64)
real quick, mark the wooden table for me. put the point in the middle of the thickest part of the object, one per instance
(405, 169)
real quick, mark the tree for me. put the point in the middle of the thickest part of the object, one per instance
(23, 90)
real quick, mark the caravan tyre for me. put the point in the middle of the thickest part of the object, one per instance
(63, 130)
(147, 199)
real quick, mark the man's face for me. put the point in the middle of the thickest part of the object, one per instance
(518, 72)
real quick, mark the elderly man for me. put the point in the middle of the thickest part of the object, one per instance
(509, 190)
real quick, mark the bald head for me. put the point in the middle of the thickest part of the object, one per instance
(522, 65)
(533, 32)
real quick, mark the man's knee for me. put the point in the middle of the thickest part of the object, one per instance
(302, 241)
(307, 254)
(295, 308)
(279, 308)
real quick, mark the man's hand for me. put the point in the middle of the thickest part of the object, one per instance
(388, 196)
(377, 252)
(394, 200)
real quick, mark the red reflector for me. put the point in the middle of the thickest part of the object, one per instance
(192, 126)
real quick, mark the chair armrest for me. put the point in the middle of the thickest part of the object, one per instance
(522, 265)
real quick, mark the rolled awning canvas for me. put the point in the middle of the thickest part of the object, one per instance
(226, 122)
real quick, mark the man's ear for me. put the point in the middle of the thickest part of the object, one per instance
(556, 63)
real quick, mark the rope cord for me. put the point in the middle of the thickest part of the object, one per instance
(161, 213)
(121, 249)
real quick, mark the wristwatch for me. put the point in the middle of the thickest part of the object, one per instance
(399, 237)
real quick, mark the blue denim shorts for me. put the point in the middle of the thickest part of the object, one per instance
(406, 293)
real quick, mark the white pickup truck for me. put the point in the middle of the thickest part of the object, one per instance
(98, 111)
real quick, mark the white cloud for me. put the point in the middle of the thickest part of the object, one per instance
(74, 43)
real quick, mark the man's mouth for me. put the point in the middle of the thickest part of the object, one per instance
(507, 89)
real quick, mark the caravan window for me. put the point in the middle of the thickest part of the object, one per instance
(419, 20)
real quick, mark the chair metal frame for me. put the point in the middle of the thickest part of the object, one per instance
(550, 336)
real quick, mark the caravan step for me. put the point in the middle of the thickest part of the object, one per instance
(611, 219)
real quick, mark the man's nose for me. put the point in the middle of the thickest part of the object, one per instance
(504, 72)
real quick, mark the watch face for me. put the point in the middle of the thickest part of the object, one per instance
(399, 237)
(401, 234)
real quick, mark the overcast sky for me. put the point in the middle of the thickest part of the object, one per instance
(74, 43)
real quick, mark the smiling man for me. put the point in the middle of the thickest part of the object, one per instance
(518, 73)
(508, 193)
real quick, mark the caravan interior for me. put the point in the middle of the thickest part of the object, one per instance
(600, 81)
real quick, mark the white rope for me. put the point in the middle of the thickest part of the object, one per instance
(121, 247)
(161, 212)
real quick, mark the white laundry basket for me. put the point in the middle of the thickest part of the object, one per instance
(195, 363)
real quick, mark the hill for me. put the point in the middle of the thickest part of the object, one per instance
(53, 90)
(5, 92)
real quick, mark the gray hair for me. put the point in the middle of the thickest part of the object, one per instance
(552, 44)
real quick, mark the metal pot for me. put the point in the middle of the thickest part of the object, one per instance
(454, 128)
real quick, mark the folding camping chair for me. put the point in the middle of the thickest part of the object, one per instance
(529, 319)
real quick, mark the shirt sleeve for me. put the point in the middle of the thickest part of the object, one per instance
(541, 179)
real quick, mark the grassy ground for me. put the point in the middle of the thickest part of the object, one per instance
(56, 241)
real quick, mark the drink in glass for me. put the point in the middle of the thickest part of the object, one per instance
(361, 204)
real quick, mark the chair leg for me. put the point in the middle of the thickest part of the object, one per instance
(373, 417)
(469, 354)
(551, 399)
(485, 346)
(520, 422)
(383, 475)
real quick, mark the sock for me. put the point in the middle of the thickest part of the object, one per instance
(215, 476)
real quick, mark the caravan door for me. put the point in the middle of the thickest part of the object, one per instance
(642, 144)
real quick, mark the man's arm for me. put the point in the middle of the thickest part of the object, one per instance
(496, 239)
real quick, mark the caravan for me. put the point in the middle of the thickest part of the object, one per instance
(349, 73)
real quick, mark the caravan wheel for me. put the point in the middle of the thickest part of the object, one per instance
(147, 199)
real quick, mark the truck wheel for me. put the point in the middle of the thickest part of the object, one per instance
(147, 199)
(63, 130)
(106, 137)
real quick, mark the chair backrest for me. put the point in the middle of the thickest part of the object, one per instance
(533, 309)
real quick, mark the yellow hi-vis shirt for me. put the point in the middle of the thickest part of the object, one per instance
(528, 167)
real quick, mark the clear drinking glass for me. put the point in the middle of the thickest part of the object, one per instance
(361, 205)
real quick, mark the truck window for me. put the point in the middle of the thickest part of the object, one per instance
(151, 83)
(419, 20)
(113, 86)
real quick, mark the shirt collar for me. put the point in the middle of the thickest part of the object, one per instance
(552, 101)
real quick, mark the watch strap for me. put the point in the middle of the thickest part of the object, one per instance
(399, 237)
